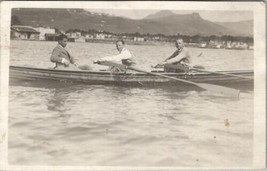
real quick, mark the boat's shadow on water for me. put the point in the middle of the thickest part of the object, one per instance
(172, 91)
(166, 86)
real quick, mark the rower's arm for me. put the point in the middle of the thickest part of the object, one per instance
(173, 55)
(182, 55)
(72, 60)
(55, 56)
(119, 57)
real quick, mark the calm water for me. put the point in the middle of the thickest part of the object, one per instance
(74, 124)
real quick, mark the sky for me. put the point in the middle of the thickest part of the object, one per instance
(215, 16)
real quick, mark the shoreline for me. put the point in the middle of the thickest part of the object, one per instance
(143, 43)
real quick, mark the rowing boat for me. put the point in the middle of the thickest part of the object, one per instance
(129, 78)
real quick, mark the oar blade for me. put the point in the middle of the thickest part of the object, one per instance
(220, 89)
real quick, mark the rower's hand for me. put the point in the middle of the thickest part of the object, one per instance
(97, 61)
(186, 64)
(163, 63)
(65, 62)
(159, 65)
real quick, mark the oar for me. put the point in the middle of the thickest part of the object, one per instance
(209, 87)
(187, 68)
(203, 70)
(214, 72)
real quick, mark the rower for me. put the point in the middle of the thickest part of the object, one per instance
(60, 55)
(124, 57)
(179, 60)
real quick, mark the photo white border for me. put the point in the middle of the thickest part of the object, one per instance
(258, 8)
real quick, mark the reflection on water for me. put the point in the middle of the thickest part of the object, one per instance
(120, 123)
(57, 101)
(95, 125)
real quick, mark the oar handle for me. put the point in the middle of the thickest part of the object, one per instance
(121, 66)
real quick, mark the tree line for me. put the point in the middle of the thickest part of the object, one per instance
(186, 38)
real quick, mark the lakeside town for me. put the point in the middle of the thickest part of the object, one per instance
(22, 32)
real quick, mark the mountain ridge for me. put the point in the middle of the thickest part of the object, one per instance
(163, 13)
(65, 19)
(244, 27)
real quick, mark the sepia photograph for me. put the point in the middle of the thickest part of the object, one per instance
(133, 85)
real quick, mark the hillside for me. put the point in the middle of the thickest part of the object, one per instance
(192, 23)
(242, 27)
(164, 22)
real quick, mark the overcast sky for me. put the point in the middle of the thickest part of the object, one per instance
(221, 16)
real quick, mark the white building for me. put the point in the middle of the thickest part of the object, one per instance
(100, 36)
(24, 33)
(156, 38)
(43, 31)
(78, 34)
(80, 39)
(139, 39)
(75, 35)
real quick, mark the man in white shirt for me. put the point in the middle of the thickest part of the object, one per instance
(124, 57)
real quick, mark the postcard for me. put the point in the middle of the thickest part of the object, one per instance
(131, 85)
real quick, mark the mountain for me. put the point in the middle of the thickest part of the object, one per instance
(242, 27)
(164, 22)
(65, 19)
(189, 24)
(163, 13)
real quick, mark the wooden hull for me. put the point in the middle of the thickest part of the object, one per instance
(128, 78)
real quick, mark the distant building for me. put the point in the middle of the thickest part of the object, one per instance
(24, 33)
(74, 34)
(69, 35)
(159, 38)
(89, 36)
(51, 37)
(155, 38)
(203, 45)
(80, 39)
(78, 34)
(115, 37)
(100, 36)
(44, 31)
(109, 36)
(62, 32)
(139, 39)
